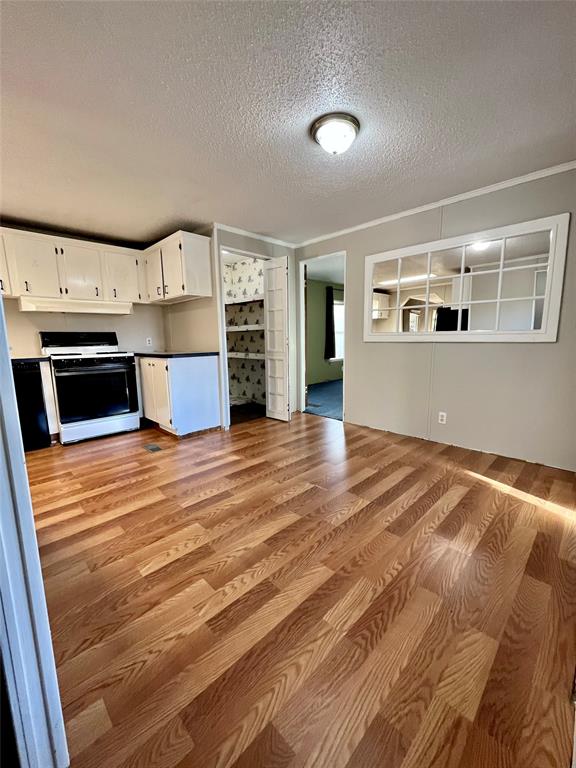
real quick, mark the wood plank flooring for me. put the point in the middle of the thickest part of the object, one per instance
(308, 595)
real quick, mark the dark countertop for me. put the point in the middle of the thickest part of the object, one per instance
(30, 359)
(176, 354)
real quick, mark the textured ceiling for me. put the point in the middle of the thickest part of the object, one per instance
(327, 268)
(130, 119)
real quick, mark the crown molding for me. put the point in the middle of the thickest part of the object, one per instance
(563, 168)
(255, 236)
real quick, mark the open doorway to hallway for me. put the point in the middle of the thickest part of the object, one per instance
(322, 342)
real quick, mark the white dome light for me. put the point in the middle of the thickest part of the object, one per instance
(335, 132)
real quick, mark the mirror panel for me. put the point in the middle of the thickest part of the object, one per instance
(517, 316)
(528, 249)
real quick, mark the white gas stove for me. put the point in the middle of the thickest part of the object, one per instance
(94, 383)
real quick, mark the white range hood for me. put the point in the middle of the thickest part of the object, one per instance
(39, 304)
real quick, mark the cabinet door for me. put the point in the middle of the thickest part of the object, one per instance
(197, 265)
(121, 276)
(162, 392)
(147, 385)
(5, 288)
(82, 274)
(172, 268)
(154, 280)
(33, 266)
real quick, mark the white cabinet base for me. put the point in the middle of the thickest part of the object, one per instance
(181, 394)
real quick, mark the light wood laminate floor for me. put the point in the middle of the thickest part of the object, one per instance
(312, 594)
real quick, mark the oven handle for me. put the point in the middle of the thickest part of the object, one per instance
(84, 371)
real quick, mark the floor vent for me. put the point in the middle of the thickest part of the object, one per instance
(152, 447)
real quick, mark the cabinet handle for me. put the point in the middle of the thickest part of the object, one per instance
(158, 290)
(28, 286)
(96, 290)
(62, 251)
(1, 285)
(65, 290)
(166, 290)
(114, 292)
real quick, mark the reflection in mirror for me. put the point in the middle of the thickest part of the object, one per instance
(502, 282)
(532, 248)
(482, 256)
(414, 274)
(384, 299)
(413, 317)
(446, 263)
(480, 287)
(447, 318)
(387, 324)
(516, 316)
(385, 278)
(482, 317)
(524, 283)
(538, 314)
(444, 289)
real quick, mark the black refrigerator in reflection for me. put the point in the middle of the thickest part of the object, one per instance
(31, 405)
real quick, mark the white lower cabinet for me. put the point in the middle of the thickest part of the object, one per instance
(181, 394)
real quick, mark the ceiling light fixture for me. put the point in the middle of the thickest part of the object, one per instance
(335, 132)
(407, 279)
(481, 245)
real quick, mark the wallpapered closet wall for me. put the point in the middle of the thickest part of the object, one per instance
(244, 298)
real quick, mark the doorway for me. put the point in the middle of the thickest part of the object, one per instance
(255, 312)
(322, 323)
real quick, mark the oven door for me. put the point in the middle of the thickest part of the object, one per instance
(88, 389)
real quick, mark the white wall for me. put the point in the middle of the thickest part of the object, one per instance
(192, 325)
(515, 399)
(23, 327)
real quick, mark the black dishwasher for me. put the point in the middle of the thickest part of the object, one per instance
(31, 406)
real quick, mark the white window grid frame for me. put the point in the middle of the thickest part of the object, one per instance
(558, 226)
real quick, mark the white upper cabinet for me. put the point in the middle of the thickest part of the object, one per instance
(197, 264)
(121, 276)
(81, 271)
(154, 279)
(5, 286)
(172, 269)
(179, 268)
(33, 265)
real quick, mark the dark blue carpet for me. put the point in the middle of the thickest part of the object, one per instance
(325, 399)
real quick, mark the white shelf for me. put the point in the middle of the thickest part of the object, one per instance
(247, 355)
(239, 328)
(247, 299)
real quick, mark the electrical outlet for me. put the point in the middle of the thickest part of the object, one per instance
(148, 341)
(442, 417)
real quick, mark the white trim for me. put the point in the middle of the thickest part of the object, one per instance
(254, 236)
(558, 225)
(221, 310)
(301, 310)
(534, 176)
(25, 638)
(241, 253)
